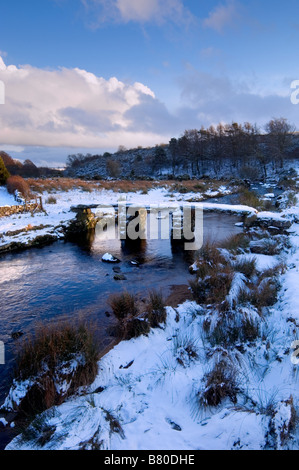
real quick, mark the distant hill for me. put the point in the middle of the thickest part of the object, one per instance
(161, 162)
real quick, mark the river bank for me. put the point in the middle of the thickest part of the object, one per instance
(22, 231)
(152, 386)
(165, 415)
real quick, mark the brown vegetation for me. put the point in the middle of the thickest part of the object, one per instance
(220, 384)
(120, 186)
(136, 318)
(18, 183)
(55, 354)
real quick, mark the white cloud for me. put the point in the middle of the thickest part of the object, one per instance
(222, 16)
(69, 107)
(141, 11)
(76, 108)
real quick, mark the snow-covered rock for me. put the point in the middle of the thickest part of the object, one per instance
(109, 258)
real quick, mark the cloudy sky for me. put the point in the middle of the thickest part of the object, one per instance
(91, 75)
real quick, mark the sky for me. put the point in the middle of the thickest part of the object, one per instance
(90, 75)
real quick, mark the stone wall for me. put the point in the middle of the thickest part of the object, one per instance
(6, 211)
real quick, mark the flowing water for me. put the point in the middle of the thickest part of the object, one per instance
(69, 280)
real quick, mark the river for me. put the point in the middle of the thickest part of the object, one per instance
(69, 280)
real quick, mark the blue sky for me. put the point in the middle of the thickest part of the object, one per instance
(90, 75)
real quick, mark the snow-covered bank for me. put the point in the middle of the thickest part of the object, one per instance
(6, 199)
(147, 394)
(149, 391)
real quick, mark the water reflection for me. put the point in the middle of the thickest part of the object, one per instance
(70, 279)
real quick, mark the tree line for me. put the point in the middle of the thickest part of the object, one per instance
(244, 145)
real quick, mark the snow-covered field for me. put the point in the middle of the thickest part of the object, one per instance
(146, 394)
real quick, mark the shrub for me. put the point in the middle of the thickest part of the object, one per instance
(291, 200)
(220, 384)
(156, 312)
(123, 305)
(236, 243)
(4, 173)
(113, 168)
(51, 200)
(18, 183)
(246, 267)
(130, 325)
(265, 294)
(55, 355)
(249, 198)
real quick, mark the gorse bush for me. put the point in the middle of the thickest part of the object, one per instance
(4, 173)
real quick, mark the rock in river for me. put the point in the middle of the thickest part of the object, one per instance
(108, 258)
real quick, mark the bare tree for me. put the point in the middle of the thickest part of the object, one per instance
(280, 133)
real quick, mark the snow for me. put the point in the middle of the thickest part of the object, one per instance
(3, 422)
(263, 262)
(155, 399)
(109, 258)
(6, 199)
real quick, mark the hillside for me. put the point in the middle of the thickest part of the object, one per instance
(228, 152)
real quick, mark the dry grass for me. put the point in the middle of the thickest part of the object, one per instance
(156, 312)
(249, 198)
(123, 305)
(213, 276)
(220, 384)
(51, 200)
(119, 186)
(130, 323)
(231, 327)
(136, 318)
(246, 267)
(45, 358)
(236, 243)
